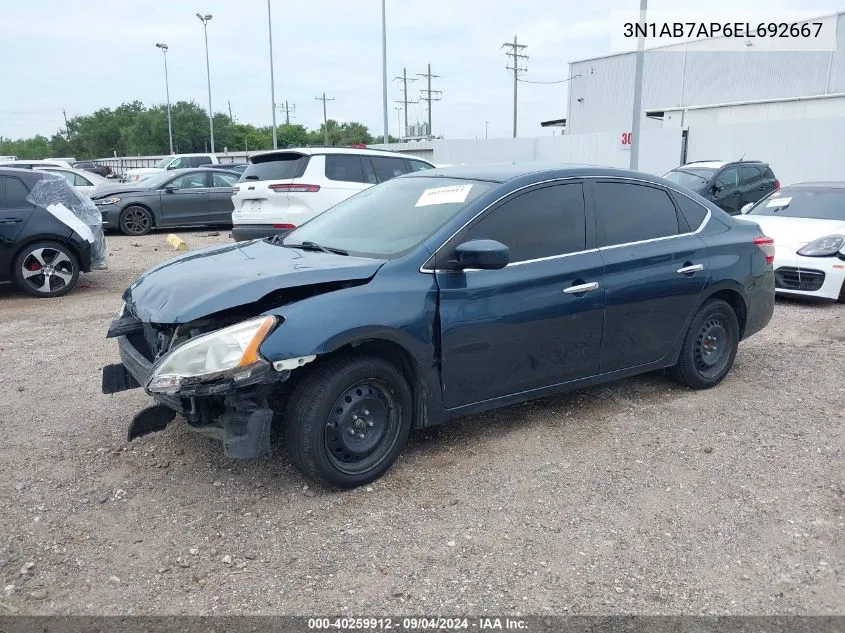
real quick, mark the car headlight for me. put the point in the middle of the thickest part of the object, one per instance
(824, 246)
(104, 201)
(228, 352)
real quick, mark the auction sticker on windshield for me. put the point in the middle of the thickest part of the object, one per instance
(444, 195)
(779, 202)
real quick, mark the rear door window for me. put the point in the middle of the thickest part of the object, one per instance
(283, 166)
(387, 168)
(16, 193)
(691, 210)
(344, 168)
(749, 175)
(417, 165)
(627, 213)
(224, 180)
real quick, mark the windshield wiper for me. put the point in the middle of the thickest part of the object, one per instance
(313, 246)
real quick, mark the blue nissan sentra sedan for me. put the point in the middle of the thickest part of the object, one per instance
(435, 295)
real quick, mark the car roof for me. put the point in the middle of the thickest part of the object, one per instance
(315, 151)
(503, 172)
(718, 164)
(27, 175)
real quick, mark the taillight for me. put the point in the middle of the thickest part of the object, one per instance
(777, 184)
(294, 188)
(767, 245)
(284, 226)
(235, 190)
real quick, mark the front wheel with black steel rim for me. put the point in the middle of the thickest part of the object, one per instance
(135, 221)
(709, 348)
(348, 420)
(46, 269)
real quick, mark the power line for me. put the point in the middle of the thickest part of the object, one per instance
(325, 118)
(560, 81)
(287, 108)
(430, 95)
(405, 80)
(515, 53)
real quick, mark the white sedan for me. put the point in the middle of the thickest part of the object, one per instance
(807, 222)
(83, 181)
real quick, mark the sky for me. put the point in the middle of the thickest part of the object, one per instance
(81, 55)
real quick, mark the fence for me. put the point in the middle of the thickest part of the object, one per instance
(797, 149)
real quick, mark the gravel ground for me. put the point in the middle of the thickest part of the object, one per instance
(638, 497)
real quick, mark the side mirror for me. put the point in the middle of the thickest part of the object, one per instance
(746, 208)
(482, 255)
(170, 189)
(715, 189)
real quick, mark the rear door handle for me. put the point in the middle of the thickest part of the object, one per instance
(687, 270)
(574, 290)
(11, 220)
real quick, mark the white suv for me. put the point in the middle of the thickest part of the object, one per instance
(282, 189)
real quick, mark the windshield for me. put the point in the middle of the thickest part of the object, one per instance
(163, 163)
(389, 219)
(690, 178)
(822, 203)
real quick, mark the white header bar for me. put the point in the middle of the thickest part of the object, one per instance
(724, 30)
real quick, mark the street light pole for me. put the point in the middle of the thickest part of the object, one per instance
(636, 115)
(163, 48)
(272, 81)
(205, 20)
(384, 67)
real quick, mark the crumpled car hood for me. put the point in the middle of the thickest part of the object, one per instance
(202, 282)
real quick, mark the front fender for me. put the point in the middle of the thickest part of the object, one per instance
(388, 308)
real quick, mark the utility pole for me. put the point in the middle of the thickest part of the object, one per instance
(231, 118)
(404, 79)
(67, 129)
(272, 80)
(430, 95)
(515, 53)
(325, 118)
(486, 124)
(636, 115)
(287, 109)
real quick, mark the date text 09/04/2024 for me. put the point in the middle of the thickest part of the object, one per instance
(743, 30)
(417, 624)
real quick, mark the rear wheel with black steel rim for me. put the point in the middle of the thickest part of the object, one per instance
(135, 220)
(46, 269)
(348, 420)
(710, 346)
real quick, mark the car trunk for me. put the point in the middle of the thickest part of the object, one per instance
(264, 188)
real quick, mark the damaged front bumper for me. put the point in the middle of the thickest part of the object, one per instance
(227, 406)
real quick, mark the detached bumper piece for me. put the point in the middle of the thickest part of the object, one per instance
(246, 424)
(150, 420)
(116, 378)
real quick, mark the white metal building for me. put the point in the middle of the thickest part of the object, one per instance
(692, 83)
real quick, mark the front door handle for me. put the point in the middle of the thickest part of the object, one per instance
(574, 290)
(688, 270)
(11, 220)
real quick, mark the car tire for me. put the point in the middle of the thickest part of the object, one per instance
(842, 293)
(46, 269)
(348, 420)
(135, 221)
(709, 347)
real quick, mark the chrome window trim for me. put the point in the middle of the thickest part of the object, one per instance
(591, 250)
